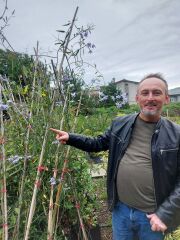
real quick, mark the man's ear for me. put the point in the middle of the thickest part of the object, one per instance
(136, 98)
(167, 100)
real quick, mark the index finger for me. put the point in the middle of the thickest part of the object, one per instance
(55, 130)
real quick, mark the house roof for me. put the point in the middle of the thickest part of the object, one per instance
(126, 81)
(174, 91)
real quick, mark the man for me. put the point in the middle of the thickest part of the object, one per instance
(143, 175)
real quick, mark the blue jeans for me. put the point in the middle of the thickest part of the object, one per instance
(129, 223)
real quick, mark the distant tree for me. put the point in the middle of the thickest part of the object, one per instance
(110, 96)
(16, 66)
(19, 68)
(77, 85)
(74, 82)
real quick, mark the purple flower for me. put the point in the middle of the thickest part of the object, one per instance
(86, 34)
(52, 181)
(65, 78)
(119, 97)
(119, 105)
(15, 159)
(88, 45)
(103, 98)
(3, 107)
(90, 51)
(93, 46)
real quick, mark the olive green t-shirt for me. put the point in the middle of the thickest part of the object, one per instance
(135, 184)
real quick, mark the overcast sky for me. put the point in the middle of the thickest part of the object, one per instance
(132, 37)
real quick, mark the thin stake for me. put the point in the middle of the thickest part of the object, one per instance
(4, 191)
(59, 74)
(36, 186)
(78, 211)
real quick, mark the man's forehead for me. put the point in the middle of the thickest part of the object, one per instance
(154, 88)
(152, 83)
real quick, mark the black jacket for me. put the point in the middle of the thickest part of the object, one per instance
(165, 152)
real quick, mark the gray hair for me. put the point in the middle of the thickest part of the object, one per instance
(158, 76)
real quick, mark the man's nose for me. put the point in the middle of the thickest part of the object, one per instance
(150, 96)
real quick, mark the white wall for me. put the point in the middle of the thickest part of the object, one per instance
(130, 88)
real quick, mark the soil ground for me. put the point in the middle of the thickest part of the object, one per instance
(103, 214)
(104, 220)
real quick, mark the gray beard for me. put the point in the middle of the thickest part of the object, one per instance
(150, 113)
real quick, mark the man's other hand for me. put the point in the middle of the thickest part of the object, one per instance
(156, 223)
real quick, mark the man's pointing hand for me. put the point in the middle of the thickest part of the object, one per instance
(61, 136)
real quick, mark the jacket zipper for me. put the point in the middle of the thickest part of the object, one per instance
(156, 132)
(167, 150)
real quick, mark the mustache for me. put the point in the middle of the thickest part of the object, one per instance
(151, 104)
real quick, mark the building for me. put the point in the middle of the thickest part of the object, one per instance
(128, 87)
(174, 94)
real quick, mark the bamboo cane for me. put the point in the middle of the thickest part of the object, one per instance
(78, 211)
(59, 74)
(36, 186)
(4, 190)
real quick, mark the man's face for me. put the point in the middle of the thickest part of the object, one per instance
(151, 97)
